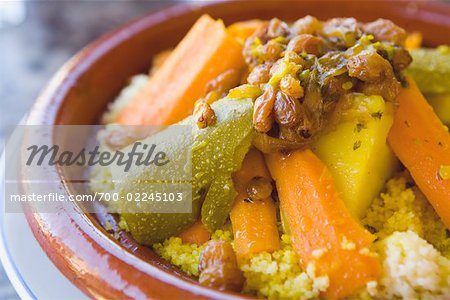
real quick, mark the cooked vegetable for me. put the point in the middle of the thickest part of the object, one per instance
(242, 30)
(441, 106)
(413, 41)
(169, 96)
(308, 66)
(431, 70)
(356, 152)
(195, 234)
(217, 151)
(218, 267)
(323, 232)
(254, 221)
(269, 144)
(422, 143)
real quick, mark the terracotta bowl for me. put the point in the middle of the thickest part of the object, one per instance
(105, 267)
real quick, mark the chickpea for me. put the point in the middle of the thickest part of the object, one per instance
(259, 188)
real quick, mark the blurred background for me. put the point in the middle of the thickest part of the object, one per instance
(36, 38)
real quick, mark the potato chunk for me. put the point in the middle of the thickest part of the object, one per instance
(355, 149)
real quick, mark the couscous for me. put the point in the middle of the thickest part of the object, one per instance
(412, 243)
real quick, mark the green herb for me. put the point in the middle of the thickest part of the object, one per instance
(304, 76)
(371, 229)
(377, 115)
(356, 145)
(280, 39)
(360, 126)
(390, 50)
(409, 184)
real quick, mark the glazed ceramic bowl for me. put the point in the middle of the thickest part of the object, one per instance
(107, 267)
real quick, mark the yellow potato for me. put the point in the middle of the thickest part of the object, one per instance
(356, 152)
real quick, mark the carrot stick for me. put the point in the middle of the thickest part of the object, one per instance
(195, 234)
(422, 143)
(243, 30)
(253, 165)
(254, 223)
(413, 41)
(169, 96)
(323, 231)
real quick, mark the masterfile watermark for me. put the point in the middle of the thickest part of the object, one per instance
(134, 169)
(140, 154)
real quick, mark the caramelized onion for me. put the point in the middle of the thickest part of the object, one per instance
(268, 144)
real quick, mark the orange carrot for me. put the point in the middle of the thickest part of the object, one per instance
(253, 165)
(413, 40)
(169, 96)
(323, 232)
(195, 234)
(242, 30)
(254, 223)
(422, 143)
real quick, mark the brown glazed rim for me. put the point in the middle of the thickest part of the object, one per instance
(83, 251)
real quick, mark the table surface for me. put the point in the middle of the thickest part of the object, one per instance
(31, 51)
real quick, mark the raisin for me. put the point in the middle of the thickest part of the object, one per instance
(287, 110)
(263, 117)
(306, 43)
(204, 115)
(218, 267)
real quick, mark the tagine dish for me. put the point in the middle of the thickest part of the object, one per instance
(320, 158)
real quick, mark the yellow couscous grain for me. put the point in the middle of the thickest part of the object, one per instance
(186, 256)
(403, 207)
(275, 276)
(279, 276)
